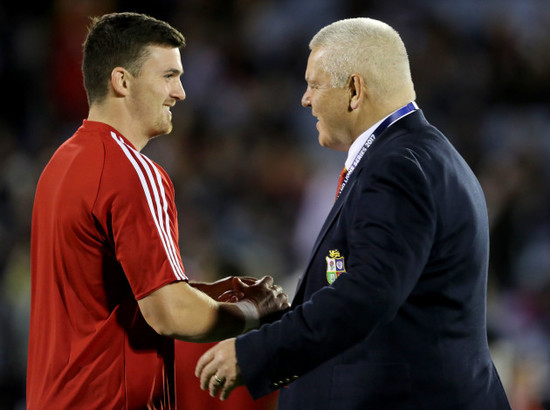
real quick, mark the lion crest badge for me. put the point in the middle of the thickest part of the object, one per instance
(335, 265)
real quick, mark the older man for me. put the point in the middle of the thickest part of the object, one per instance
(390, 312)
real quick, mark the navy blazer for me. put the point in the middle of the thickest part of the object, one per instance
(404, 324)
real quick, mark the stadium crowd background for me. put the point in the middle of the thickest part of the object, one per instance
(252, 184)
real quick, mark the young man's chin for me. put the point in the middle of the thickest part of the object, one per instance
(162, 131)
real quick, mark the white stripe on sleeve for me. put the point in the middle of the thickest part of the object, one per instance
(159, 211)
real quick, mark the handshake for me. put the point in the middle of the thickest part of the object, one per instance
(260, 301)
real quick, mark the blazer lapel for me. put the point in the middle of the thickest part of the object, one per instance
(407, 123)
(328, 223)
(331, 216)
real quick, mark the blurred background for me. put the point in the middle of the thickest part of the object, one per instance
(252, 184)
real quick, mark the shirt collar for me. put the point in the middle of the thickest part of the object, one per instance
(360, 141)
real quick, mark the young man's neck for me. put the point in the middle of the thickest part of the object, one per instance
(116, 119)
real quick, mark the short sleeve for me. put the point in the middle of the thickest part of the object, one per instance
(138, 200)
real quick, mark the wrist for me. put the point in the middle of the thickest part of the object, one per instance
(250, 313)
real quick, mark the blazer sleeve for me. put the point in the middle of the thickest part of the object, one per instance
(389, 222)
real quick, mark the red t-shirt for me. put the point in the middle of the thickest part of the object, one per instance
(104, 235)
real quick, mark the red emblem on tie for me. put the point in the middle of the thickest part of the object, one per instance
(340, 181)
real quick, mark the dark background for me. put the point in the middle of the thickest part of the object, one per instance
(252, 183)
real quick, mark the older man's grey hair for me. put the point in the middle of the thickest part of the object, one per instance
(367, 47)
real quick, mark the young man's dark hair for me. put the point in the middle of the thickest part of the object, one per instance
(121, 40)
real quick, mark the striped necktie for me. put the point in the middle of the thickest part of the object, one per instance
(340, 181)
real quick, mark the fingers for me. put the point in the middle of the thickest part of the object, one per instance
(238, 284)
(222, 386)
(245, 281)
(218, 371)
(267, 280)
(226, 390)
(280, 296)
(215, 385)
(241, 282)
(201, 370)
(248, 280)
(264, 293)
(230, 296)
(210, 380)
(283, 300)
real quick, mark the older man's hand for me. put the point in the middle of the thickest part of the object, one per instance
(218, 369)
(267, 296)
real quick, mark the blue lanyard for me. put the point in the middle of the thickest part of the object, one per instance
(396, 115)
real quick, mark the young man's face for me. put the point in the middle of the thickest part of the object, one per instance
(156, 89)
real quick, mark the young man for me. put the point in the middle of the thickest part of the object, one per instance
(390, 313)
(108, 284)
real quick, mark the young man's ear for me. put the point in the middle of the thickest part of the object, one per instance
(119, 81)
